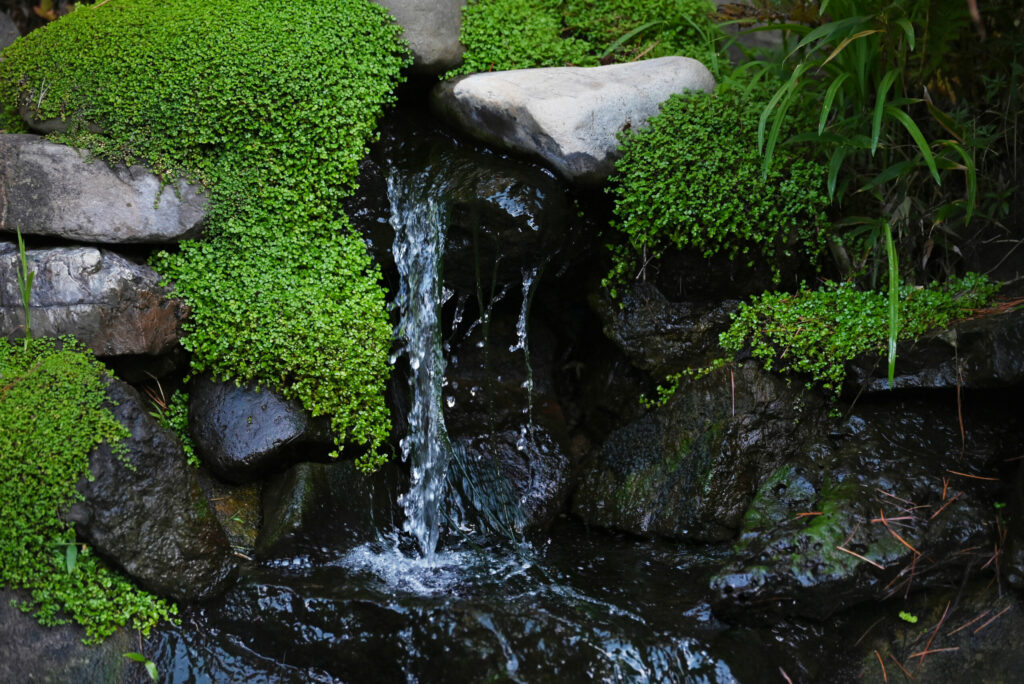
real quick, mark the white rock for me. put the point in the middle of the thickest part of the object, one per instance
(56, 190)
(432, 29)
(568, 116)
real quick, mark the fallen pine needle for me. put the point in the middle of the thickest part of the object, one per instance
(973, 477)
(809, 513)
(992, 619)
(922, 654)
(902, 517)
(944, 505)
(968, 624)
(900, 539)
(894, 496)
(784, 675)
(857, 555)
(900, 665)
(927, 649)
(945, 487)
(885, 675)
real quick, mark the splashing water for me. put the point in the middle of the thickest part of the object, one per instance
(419, 224)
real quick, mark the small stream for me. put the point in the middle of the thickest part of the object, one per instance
(456, 584)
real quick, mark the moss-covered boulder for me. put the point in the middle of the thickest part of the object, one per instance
(689, 469)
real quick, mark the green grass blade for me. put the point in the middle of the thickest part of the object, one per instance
(830, 96)
(894, 299)
(919, 139)
(972, 178)
(630, 35)
(876, 120)
(835, 163)
(908, 29)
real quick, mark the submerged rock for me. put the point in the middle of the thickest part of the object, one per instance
(568, 116)
(983, 352)
(517, 478)
(113, 306)
(56, 190)
(660, 336)
(689, 469)
(243, 433)
(144, 510)
(432, 29)
(895, 506)
(30, 652)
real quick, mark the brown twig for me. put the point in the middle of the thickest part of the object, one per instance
(992, 619)
(857, 555)
(900, 665)
(898, 537)
(973, 477)
(922, 654)
(969, 623)
(928, 646)
(945, 505)
(885, 675)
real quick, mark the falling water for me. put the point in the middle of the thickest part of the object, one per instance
(419, 224)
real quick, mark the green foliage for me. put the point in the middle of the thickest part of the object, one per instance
(174, 416)
(52, 412)
(692, 178)
(875, 71)
(271, 105)
(908, 617)
(518, 34)
(25, 280)
(146, 662)
(815, 332)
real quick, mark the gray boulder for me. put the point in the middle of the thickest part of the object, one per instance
(568, 116)
(432, 29)
(56, 190)
(689, 469)
(146, 511)
(8, 31)
(113, 306)
(242, 433)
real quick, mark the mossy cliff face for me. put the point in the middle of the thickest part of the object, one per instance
(271, 106)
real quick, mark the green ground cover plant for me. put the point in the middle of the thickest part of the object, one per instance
(52, 396)
(520, 34)
(692, 179)
(271, 106)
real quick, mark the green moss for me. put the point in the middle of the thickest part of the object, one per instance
(692, 179)
(174, 417)
(51, 409)
(519, 34)
(271, 105)
(815, 332)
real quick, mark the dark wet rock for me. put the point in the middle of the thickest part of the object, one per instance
(336, 624)
(432, 29)
(111, 305)
(1014, 562)
(989, 649)
(145, 510)
(238, 509)
(55, 190)
(897, 461)
(8, 31)
(30, 652)
(520, 473)
(316, 504)
(689, 469)
(495, 383)
(660, 336)
(982, 352)
(568, 116)
(243, 433)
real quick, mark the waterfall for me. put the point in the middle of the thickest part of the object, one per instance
(419, 222)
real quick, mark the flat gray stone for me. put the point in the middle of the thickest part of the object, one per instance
(113, 306)
(8, 31)
(56, 190)
(568, 116)
(432, 29)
